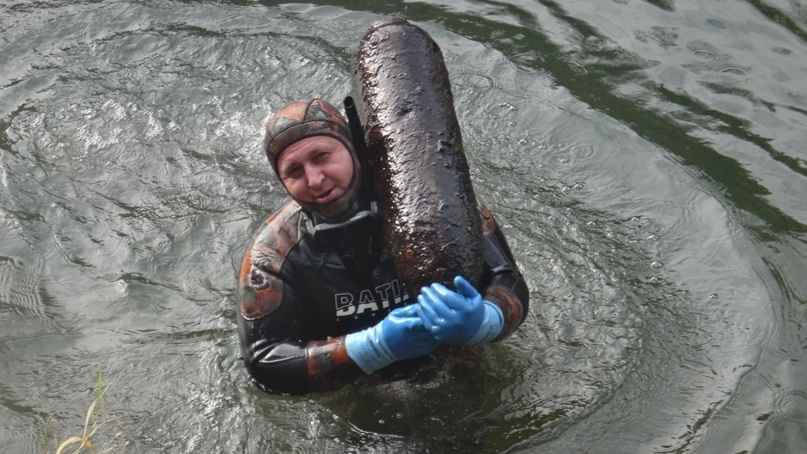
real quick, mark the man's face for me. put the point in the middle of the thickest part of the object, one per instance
(316, 170)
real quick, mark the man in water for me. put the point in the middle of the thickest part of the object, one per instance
(319, 302)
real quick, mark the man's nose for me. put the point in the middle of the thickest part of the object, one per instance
(315, 177)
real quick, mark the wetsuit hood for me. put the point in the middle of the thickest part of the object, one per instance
(316, 117)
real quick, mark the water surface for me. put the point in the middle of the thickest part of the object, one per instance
(646, 160)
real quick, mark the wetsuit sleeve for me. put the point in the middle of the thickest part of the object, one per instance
(502, 282)
(276, 354)
(276, 345)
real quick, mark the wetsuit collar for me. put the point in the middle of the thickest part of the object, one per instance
(326, 231)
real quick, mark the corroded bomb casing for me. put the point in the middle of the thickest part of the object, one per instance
(430, 221)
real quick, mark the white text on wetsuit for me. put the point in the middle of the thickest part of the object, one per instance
(384, 296)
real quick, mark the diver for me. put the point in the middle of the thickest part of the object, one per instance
(319, 303)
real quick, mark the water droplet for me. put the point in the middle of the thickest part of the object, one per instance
(713, 296)
(733, 75)
(703, 56)
(656, 264)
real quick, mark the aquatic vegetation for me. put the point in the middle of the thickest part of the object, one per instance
(100, 426)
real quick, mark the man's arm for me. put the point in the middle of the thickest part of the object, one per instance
(502, 282)
(466, 316)
(272, 335)
(295, 367)
(271, 328)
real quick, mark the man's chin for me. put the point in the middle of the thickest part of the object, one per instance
(333, 209)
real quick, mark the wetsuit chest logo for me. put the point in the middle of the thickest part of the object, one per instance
(382, 297)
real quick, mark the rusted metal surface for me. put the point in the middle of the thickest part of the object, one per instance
(429, 217)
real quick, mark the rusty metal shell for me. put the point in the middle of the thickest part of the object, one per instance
(429, 217)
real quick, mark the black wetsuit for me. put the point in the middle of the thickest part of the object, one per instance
(299, 296)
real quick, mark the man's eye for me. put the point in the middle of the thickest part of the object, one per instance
(292, 173)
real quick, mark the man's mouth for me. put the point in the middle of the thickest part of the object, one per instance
(326, 196)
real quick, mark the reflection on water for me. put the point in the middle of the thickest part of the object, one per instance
(645, 159)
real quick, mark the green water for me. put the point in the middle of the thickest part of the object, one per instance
(646, 160)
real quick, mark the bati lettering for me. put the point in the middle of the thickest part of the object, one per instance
(384, 296)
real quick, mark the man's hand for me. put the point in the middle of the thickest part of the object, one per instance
(460, 317)
(401, 335)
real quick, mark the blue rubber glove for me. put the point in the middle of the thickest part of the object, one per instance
(460, 317)
(401, 335)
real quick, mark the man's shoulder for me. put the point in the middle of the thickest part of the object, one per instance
(279, 234)
(289, 217)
